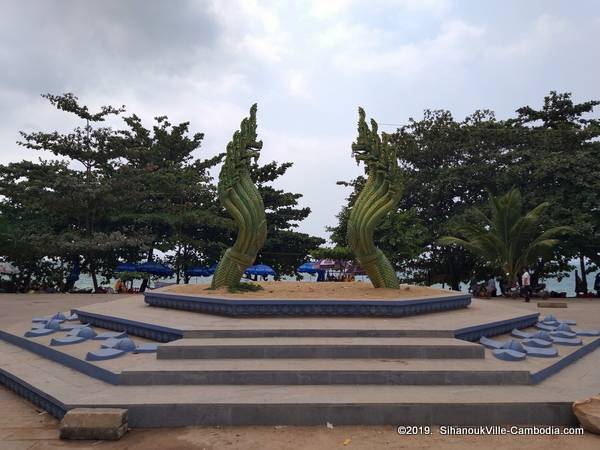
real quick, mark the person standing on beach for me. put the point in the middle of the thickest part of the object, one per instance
(526, 284)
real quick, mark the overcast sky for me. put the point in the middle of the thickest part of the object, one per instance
(308, 65)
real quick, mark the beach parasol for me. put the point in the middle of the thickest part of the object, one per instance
(126, 267)
(154, 268)
(260, 269)
(198, 272)
(309, 267)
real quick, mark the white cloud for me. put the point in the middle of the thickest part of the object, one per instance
(543, 33)
(252, 28)
(434, 7)
(319, 161)
(323, 9)
(266, 48)
(456, 42)
(326, 9)
(297, 85)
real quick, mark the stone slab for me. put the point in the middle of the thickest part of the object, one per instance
(93, 434)
(552, 304)
(285, 347)
(95, 418)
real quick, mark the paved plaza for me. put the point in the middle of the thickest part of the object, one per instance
(22, 425)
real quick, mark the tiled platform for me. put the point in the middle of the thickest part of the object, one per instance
(270, 307)
(304, 371)
(481, 318)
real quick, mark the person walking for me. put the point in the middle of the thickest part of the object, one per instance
(526, 284)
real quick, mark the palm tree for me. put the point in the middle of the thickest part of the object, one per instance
(507, 239)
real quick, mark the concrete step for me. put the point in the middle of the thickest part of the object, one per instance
(311, 347)
(57, 389)
(322, 372)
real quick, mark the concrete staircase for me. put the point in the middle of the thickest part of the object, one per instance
(279, 391)
(360, 378)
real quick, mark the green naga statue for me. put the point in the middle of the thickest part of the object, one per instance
(241, 199)
(380, 195)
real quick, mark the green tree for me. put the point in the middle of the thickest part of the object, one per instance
(558, 162)
(65, 206)
(449, 166)
(285, 248)
(116, 195)
(507, 238)
(169, 196)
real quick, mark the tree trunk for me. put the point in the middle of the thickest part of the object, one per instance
(177, 264)
(94, 278)
(535, 273)
(455, 284)
(583, 287)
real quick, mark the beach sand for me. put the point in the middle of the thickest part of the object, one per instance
(325, 290)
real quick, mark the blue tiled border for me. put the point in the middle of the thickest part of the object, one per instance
(495, 328)
(306, 308)
(32, 394)
(145, 330)
(564, 362)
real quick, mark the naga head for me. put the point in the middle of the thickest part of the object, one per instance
(241, 150)
(376, 152)
(248, 146)
(366, 147)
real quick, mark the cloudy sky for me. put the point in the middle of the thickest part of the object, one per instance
(308, 65)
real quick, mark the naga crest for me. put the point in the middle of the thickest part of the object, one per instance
(379, 196)
(241, 199)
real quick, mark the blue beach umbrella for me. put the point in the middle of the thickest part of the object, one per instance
(154, 268)
(126, 267)
(198, 272)
(260, 269)
(310, 268)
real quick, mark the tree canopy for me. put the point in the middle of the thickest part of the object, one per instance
(128, 194)
(507, 239)
(101, 195)
(450, 167)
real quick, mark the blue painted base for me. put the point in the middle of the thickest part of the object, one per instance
(135, 328)
(35, 396)
(496, 328)
(306, 308)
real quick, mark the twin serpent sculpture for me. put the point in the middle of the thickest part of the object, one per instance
(240, 197)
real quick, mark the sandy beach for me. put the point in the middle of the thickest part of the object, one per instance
(291, 290)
